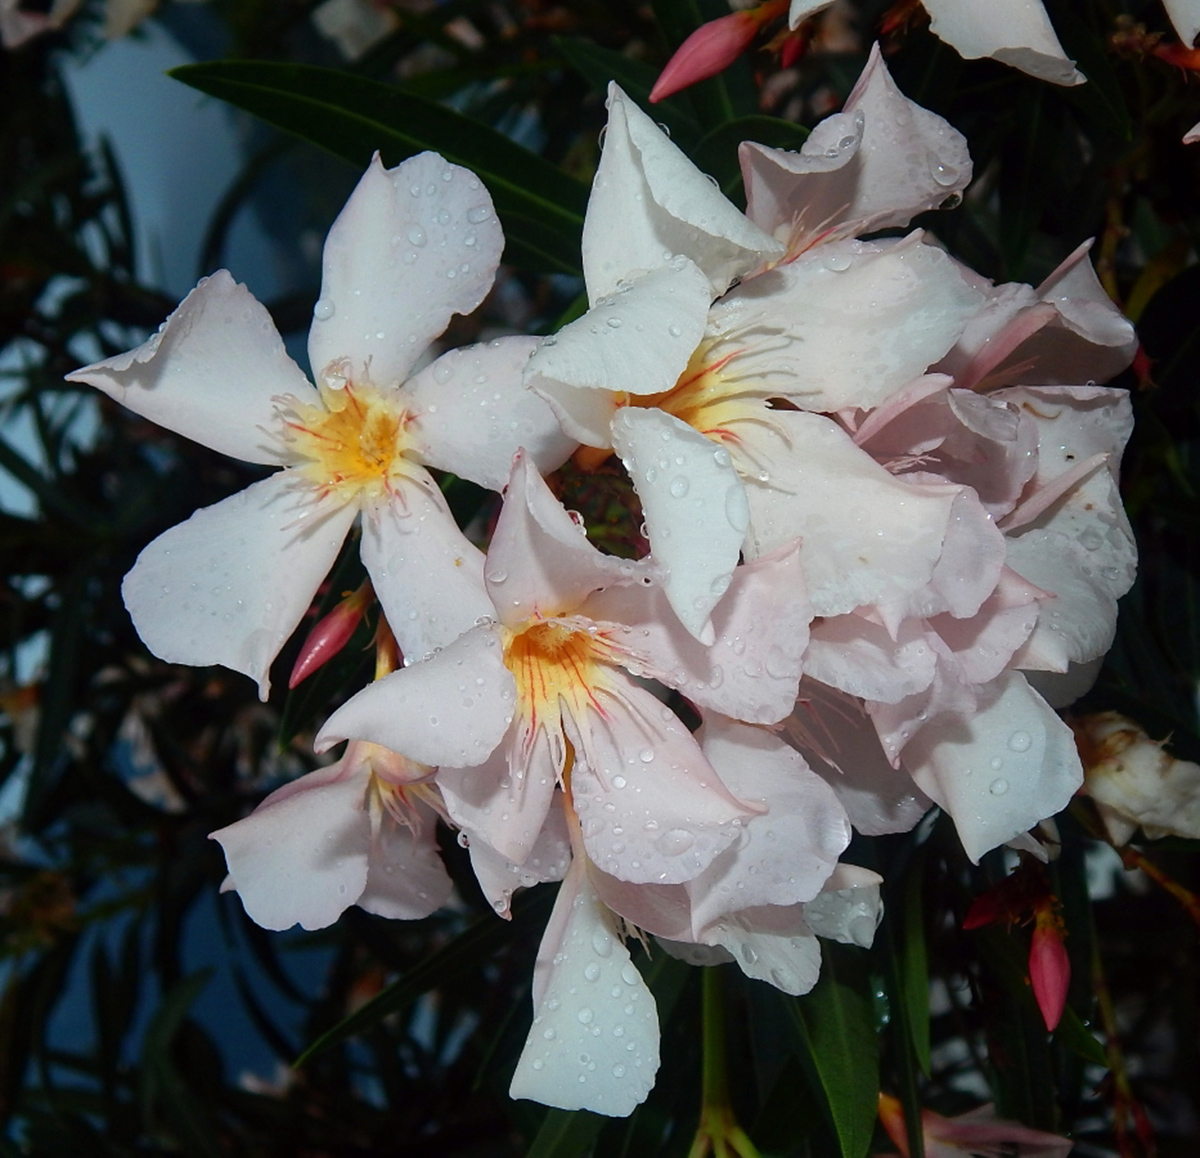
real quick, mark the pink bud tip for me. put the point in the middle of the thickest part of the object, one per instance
(984, 910)
(709, 50)
(330, 635)
(1049, 969)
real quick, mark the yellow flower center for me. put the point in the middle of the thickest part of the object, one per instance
(354, 444)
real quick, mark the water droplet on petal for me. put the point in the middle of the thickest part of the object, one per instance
(679, 486)
(323, 310)
(1020, 741)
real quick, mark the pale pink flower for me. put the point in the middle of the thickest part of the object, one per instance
(979, 1133)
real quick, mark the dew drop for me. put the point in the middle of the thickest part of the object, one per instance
(416, 235)
(838, 262)
(737, 508)
(619, 782)
(645, 755)
(585, 1016)
(323, 310)
(592, 972)
(998, 787)
(479, 214)
(1020, 741)
(679, 486)
(945, 175)
(675, 842)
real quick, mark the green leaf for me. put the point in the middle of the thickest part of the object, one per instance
(567, 1134)
(599, 65)
(838, 1047)
(540, 207)
(914, 963)
(460, 956)
(1074, 1034)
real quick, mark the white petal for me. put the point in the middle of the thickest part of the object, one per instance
(752, 671)
(473, 413)
(594, 1040)
(649, 203)
(413, 246)
(803, 9)
(428, 577)
(435, 712)
(507, 798)
(406, 879)
(685, 484)
(1192, 135)
(859, 656)
(850, 323)
(1000, 771)
(230, 585)
(211, 373)
(837, 739)
(301, 855)
(663, 910)
(849, 908)
(637, 341)
(773, 945)
(1185, 16)
(548, 860)
(540, 561)
(1015, 32)
(651, 806)
(785, 854)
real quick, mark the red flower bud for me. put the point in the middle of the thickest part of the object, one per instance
(331, 634)
(1049, 966)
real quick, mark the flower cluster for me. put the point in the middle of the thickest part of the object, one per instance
(880, 497)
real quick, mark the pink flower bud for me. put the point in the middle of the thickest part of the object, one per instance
(1049, 966)
(331, 634)
(709, 50)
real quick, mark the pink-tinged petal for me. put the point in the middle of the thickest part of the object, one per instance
(211, 373)
(1185, 17)
(507, 798)
(594, 1040)
(406, 879)
(548, 860)
(540, 563)
(637, 340)
(985, 643)
(682, 480)
(651, 807)
(859, 656)
(850, 322)
(868, 538)
(413, 246)
(981, 1131)
(231, 583)
(437, 712)
(752, 671)
(784, 855)
(301, 855)
(999, 771)
(649, 203)
(834, 735)
(801, 10)
(473, 413)
(771, 944)
(849, 908)
(1084, 305)
(427, 576)
(663, 910)
(1014, 32)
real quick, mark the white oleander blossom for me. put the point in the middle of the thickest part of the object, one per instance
(413, 246)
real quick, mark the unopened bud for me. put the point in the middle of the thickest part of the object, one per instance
(331, 634)
(1049, 966)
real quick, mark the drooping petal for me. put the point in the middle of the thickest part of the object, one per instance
(850, 322)
(301, 855)
(849, 908)
(771, 944)
(752, 671)
(651, 806)
(999, 771)
(548, 860)
(891, 159)
(540, 562)
(413, 246)
(436, 712)
(231, 583)
(663, 910)
(637, 340)
(473, 413)
(649, 203)
(981, 1130)
(594, 1040)
(506, 799)
(685, 485)
(1014, 32)
(784, 855)
(836, 738)
(406, 879)
(427, 575)
(1185, 16)
(211, 373)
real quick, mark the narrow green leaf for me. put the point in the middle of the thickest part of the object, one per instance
(351, 116)
(838, 1047)
(567, 1134)
(1074, 1034)
(914, 963)
(462, 954)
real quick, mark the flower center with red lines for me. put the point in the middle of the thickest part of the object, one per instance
(352, 445)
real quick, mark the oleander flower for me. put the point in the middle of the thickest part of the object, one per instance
(713, 407)
(978, 1132)
(413, 246)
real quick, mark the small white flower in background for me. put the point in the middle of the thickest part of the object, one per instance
(1135, 781)
(413, 246)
